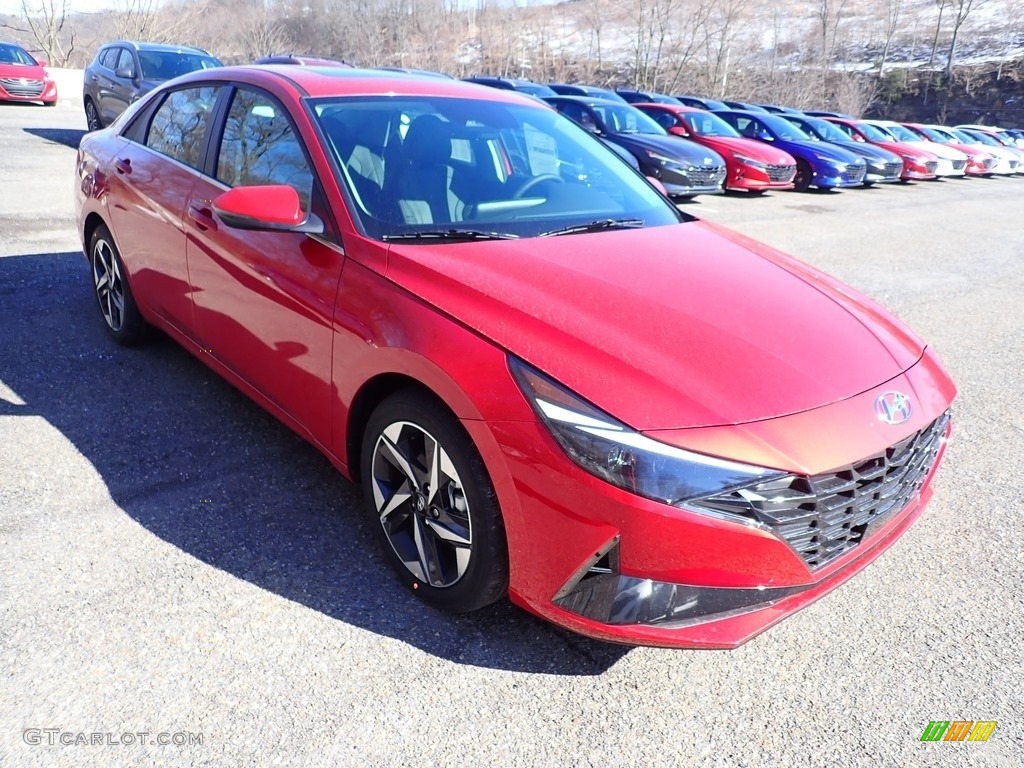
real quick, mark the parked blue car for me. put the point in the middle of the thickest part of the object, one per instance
(818, 164)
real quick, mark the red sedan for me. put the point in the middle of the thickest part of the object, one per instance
(751, 165)
(23, 78)
(918, 165)
(549, 382)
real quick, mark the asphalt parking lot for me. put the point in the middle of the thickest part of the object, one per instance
(173, 560)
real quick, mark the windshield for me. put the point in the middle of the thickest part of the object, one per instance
(983, 138)
(626, 119)
(12, 54)
(874, 133)
(707, 124)
(941, 135)
(452, 167)
(784, 129)
(902, 134)
(534, 89)
(825, 130)
(165, 65)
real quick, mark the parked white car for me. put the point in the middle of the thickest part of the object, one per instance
(1007, 160)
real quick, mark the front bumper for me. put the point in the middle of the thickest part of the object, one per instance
(745, 177)
(645, 560)
(830, 178)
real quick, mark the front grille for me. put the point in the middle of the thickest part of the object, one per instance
(824, 516)
(705, 175)
(1014, 164)
(931, 166)
(854, 174)
(781, 172)
(989, 162)
(16, 86)
(959, 165)
(893, 170)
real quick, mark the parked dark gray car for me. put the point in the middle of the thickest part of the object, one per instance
(123, 71)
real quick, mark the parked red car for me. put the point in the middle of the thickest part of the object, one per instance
(751, 165)
(549, 381)
(918, 165)
(979, 162)
(24, 78)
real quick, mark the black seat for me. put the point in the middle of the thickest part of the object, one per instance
(419, 184)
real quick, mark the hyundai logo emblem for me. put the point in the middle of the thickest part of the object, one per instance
(893, 407)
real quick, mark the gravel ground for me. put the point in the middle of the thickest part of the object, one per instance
(174, 560)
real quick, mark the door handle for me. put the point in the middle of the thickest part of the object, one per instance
(123, 166)
(202, 216)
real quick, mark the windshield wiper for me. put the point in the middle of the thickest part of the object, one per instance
(451, 234)
(595, 226)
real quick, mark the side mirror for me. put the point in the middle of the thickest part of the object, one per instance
(42, 62)
(125, 73)
(764, 136)
(678, 130)
(858, 137)
(269, 208)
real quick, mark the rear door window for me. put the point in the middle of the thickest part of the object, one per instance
(180, 123)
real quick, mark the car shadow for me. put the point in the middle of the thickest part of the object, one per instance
(209, 472)
(69, 137)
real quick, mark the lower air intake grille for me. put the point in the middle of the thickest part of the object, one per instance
(959, 165)
(932, 166)
(824, 516)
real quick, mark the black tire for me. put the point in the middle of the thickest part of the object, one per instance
(459, 587)
(50, 103)
(92, 116)
(113, 293)
(804, 175)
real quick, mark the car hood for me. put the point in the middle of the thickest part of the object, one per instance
(22, 70)
(939, 150)
(687, 151)
(666, 327)
(755, 150)
(821, 148)
(902, 148)
(866, 150)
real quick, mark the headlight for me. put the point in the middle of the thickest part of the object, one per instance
(660, 158)
(750, 161)
(622, 456)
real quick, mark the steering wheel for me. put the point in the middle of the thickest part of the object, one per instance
(534, 181)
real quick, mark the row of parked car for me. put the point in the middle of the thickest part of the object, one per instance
(691, 145)
(731, 145)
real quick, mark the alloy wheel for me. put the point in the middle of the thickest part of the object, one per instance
(92, 118)
(421, 504)
(109, 285)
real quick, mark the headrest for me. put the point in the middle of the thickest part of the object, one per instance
(428, 140)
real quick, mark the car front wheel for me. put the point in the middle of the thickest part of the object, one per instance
(432, 504)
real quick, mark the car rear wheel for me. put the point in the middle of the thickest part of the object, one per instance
(92, 116)
(802, 180)
(432, 504)
(114, 295)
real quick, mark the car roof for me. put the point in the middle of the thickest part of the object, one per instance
(591, 101)
(335, 81)
(161, 47)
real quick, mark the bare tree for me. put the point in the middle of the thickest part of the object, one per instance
(156, 21)
(961, 10)
(48, 24)
(893, 11)
(938, 29)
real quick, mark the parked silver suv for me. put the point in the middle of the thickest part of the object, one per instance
(123, 71)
